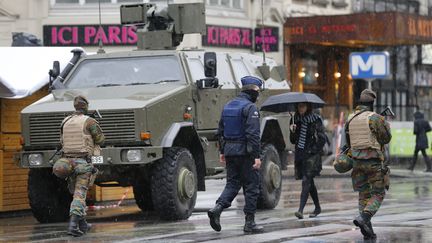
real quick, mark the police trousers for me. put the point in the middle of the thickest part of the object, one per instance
(240, 173)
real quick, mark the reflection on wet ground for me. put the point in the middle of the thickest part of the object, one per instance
(406, 216)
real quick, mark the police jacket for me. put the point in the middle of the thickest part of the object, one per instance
(239, 128)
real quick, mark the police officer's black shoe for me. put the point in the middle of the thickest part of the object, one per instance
(250, 225)
(214, 216)
(83, 225)
(360, 222)
(73, 228)
(299, 215)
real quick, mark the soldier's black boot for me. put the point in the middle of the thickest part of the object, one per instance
(84, 226)
(362, 222)
(373, 237)
(73, 228)
(250, 225)
(214, 216)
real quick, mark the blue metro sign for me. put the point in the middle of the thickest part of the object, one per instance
(369, 65)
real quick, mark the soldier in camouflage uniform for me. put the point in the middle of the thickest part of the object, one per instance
(81, 137)
(366, 133)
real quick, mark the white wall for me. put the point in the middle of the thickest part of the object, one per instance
(33, 14)
(296, 8)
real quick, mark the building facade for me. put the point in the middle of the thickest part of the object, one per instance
(232, 25)
(317, 51)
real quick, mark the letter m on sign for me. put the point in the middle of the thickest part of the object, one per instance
(369, 65)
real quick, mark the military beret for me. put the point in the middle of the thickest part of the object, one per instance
(367, 95)
(246, 80)
(80, 102)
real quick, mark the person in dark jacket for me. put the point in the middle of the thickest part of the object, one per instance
(240, 149)
(307, 133)
(421, 127)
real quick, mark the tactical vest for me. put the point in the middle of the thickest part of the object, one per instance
(75, 140)
(232, 116)
(360, 134)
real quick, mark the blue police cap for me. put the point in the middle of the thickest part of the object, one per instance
(251, 80)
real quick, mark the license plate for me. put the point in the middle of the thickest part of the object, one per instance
(97, 159)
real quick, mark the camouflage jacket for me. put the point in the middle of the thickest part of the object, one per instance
(380, 128)
(96, 132)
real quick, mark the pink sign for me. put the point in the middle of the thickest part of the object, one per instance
(268, 38)
(223, 36)
(89, 35)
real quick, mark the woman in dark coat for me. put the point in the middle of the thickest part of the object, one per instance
(307, 133)
(421, 127)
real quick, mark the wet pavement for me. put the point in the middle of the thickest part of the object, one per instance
(406, 216)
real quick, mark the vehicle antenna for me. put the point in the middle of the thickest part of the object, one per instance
(262, 32)
(100, 50)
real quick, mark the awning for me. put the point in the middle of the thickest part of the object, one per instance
(24, 70)
(361, 29)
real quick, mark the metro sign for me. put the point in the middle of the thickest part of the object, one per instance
(369, 65)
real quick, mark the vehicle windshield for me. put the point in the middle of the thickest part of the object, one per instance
(126, 71)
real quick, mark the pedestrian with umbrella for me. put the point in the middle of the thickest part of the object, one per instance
(307, 133)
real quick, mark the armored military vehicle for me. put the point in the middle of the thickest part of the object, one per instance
(159, 109)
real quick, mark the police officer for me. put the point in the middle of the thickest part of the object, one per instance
(239, 137)
(80, 138)
(366, 134)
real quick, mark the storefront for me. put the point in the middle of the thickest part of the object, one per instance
(317, 51)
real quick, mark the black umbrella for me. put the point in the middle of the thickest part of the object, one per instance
(287, 101)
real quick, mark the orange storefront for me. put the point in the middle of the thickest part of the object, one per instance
(317, 51)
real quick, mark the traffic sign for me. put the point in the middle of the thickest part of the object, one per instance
(369, 65)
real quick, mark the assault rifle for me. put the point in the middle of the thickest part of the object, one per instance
(388, 112)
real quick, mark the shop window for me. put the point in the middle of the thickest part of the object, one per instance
(380, 6)
(386, 5)
(235, 4)
(339, 3)
(322, 3)
(368, 6)
(309, 71)
(401, 60)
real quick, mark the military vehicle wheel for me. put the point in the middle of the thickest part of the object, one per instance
(271, 178)
(142, 193)
(174, 184)
(48, 195)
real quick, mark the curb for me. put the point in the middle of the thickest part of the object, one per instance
(329, 171)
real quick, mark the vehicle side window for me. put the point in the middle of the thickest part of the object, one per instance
(240, 69)
(224, 73)
(196, 67)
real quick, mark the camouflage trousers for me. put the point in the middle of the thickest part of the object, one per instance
(368, 180)
(78, 184)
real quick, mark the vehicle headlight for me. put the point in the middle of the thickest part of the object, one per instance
(133, 155)
(35, 159)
